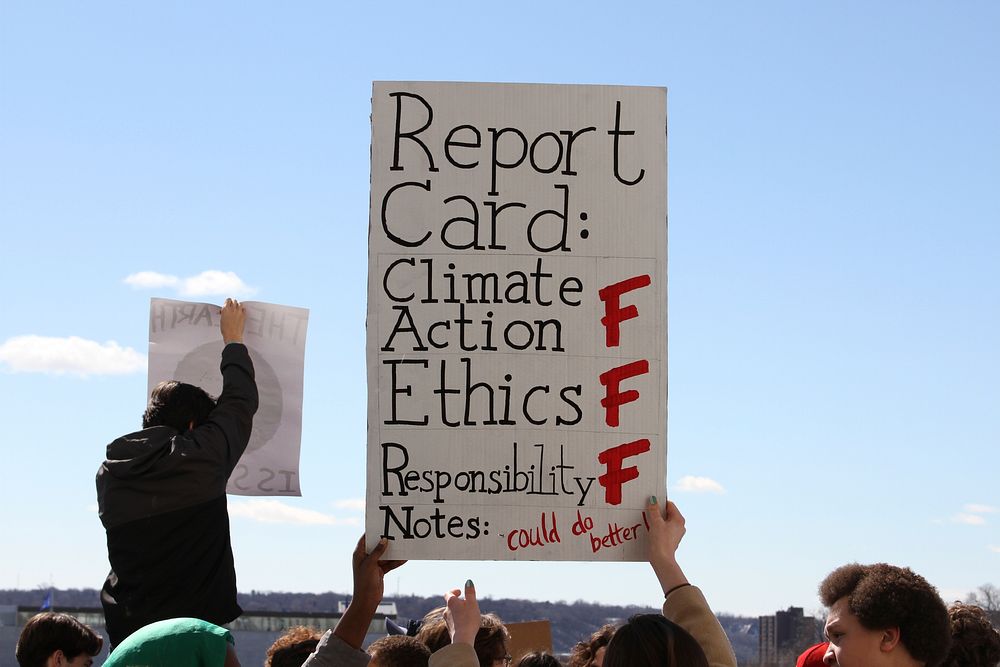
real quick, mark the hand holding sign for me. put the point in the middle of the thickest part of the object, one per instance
(665, 533)
(232, 321)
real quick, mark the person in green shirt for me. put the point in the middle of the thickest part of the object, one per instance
(176, 642)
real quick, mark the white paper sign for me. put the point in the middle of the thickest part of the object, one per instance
(517, 319)
(185, 345)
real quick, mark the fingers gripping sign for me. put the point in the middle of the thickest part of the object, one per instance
(370, 570)
(233, 321)
(666, 529)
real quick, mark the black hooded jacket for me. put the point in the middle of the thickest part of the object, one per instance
(162, 499)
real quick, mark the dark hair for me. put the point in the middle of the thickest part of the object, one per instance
(177, 404)
(885, 596)
(46, 633)
(491, 640)
(399, 651)
(538, 659)
(292, 648)
(584, 651)
(650, 640)
(974, 640)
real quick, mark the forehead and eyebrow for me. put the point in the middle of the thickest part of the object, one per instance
(837, 618)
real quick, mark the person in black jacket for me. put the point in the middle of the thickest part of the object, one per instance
(161, 495)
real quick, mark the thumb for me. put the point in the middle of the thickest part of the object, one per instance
(379, 549)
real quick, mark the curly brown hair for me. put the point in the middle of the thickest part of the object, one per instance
(885, 596)
(583, 652)
(974, 640)
(292, 648)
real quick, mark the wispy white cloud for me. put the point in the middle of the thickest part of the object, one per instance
(215, 282)
(994, 548)
(350, 504)
(974, 508)
(692, 484)
(69, 356)
(207, 283)
(275, 511)
(151, 280)
(968, 519)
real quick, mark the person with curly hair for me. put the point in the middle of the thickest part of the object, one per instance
(292, 648)
(974, 640)
(883, 615)
(590, 651)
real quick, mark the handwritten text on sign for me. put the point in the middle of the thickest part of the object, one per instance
(517, 319)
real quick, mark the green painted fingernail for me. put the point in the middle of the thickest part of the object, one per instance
(468, 583)
(652, 500)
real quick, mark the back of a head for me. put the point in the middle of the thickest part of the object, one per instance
(490, 643)
(491, 640)
(583, 652)
(974, 640)
(399, 651)
(650, 640)
(46, 633)
(433, 632)
(538, 659)
(177, 404)
(886, 596)
(292, 648)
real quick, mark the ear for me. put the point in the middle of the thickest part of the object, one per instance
(57, 659)
(889, 640)
(191, 425)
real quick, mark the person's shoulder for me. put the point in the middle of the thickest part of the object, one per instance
(138, 443)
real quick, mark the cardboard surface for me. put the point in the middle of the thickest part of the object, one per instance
(528, 637)
(185, 344)
(516, 304)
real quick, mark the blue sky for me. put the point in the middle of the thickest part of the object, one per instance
(834, 267)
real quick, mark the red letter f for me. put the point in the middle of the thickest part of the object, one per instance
(614, 314)
(612, 397)
(613, 479)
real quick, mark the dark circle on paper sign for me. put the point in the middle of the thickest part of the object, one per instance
(583, 216)
(584, 233)
(201, 367)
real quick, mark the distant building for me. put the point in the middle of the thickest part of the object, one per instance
(785, 635)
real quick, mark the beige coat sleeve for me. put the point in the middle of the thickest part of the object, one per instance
(455, 655)
(687, 607)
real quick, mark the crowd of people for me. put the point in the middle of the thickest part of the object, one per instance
(172, 586)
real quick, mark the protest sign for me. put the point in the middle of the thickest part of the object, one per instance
(185, 345)
(517, 319)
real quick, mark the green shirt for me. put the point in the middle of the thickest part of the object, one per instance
(177, 642)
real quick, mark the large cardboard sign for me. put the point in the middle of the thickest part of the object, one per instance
(517, 319)
(185, 345)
